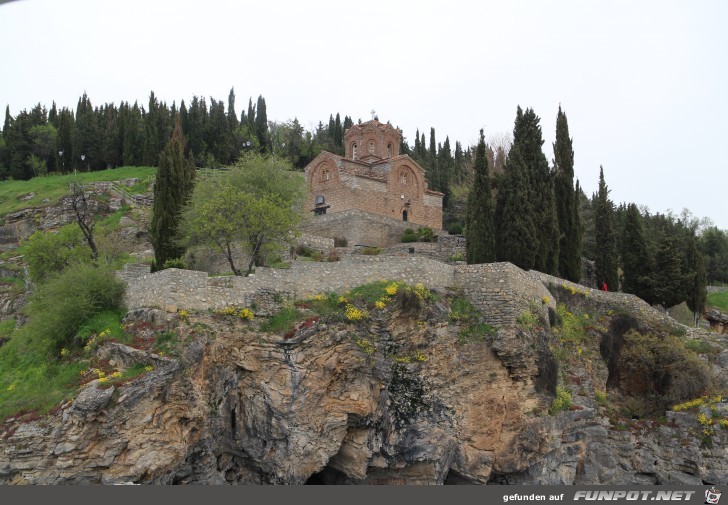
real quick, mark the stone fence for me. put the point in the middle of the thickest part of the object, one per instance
(500, 290)
(716, 289)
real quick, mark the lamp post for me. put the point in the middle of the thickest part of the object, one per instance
(63, 160)
(83, 157)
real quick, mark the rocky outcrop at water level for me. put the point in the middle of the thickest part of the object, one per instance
(415, 391)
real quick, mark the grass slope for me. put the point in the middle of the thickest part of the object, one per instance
(719, 300)
(53, 187)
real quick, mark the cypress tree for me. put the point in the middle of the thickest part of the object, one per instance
(151, 133)
(173, 187)
(434, 171)
(566, 208)
(261, 126)
(251, 115)
(338, 132)
(605, 239)
(515, 232)
(539, 181)
(231, 114)
(480, 236)
(635, 255)
(697, 281)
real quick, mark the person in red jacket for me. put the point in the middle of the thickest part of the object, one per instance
(604, 286)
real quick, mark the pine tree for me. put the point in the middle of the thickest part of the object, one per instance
(515, 232)
(480, 235)
(261, 126)
(605, 239)
(635, 255)
(173, 187)
(566, 209)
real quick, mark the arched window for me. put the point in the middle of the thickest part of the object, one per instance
(325, 175)
(353, 151)
(371, 147)
(389, 150)
(403, 178)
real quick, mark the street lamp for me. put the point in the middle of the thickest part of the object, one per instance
(63, 160)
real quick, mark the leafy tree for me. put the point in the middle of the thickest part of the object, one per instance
(480, 236)
(567, 209)
(255, 204)
(84, 216)
(604, 237)
(172, 189)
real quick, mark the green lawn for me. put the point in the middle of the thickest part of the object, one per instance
(53, 187)
(719, 300)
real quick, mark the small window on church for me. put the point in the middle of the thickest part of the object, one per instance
(389, 150)
(325, 175)
(353, 151)
(371, 147)
(403, 178)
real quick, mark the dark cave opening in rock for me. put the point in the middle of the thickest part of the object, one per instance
(233, 424)
(326, 477)
(455, 479)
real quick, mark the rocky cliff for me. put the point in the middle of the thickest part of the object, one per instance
(405, 397)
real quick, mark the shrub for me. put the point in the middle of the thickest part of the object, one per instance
(409, 235)
(67, 300)
(426, 234)
(333, 256)
(561, 402)
(304, 250)
(175, 263)
(662, 366)
(49, 253)
(371, 251)
(455, 229)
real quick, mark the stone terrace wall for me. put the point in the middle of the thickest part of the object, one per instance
(185, 289)
(501, 291)
(359, 227)
(445, 248)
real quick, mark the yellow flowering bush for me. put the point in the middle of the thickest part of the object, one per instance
(379, 304)
(343, 300)
(420, 357)
(391, 290)
(11, 387)
(545, 300)
(246, 314)
(723, 424)
(402, 359)
(148, 368)
(65, 352)
(354, 314)
(103, 379)
(116, 374)
(366, 346)
(319, 297)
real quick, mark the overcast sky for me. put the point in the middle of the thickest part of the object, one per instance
(644, 84)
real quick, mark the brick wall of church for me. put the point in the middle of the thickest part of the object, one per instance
(343, 191)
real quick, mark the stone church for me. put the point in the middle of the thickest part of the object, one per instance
(374, 178)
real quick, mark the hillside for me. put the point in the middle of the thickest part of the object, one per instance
(391, 369)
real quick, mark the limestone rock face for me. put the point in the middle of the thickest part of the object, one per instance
(398, 401)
